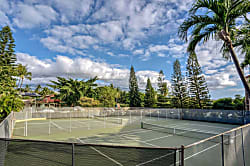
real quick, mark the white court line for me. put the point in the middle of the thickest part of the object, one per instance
(228, 128)
(139, 141)
(102, 153)
(18, 128)
(57, 126)
(154, 159)
(159, 138)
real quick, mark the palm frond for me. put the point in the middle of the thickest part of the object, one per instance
(193, 20)
(205, 36)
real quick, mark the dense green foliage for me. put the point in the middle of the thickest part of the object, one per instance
(22, 73)
(197, 87)
(70, 90)
(106, 96)
(10, 100)
(162, 85)
(88, 102)
(134, 96)
(229, 104)
(150, 95)
(179, 87)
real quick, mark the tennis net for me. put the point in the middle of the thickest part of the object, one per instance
(192, 133)
(108, 119)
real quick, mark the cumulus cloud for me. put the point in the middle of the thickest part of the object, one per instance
(219, 72)
(82, 68)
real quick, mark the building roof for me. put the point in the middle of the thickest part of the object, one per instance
(31, 94)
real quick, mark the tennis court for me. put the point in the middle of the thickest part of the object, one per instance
(131, 138)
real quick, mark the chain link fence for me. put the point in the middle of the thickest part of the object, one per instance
(26, 152)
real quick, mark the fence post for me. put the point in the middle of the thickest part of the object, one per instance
(73, 154)
(182, 156)
(222, 150)
(242, 144)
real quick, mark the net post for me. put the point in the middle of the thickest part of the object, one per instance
(182, 156)
(222, 150)
(130, 116)
(26, 125)
(141, 124)
(73, 154)
(166, 114)
(70, 119)
(158, 114)
(141, 115)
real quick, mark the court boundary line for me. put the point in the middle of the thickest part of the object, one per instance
(155, 159)
(113, 160)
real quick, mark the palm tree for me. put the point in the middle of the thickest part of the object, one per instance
(38, 88)
(23, 74)
(71, 90)
(220, 22)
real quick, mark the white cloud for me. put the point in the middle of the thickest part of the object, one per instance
(123, 22)
(4, 20)
(74, 10)
(158, 48)
(161, 55)
(110, 53)
(82, 68)
(219, 72)
(28, 16)
(146, 56)
(139, 51)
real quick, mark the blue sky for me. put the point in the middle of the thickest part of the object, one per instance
(87, 38)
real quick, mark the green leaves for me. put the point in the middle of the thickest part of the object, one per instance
(150, 95)
(70, 90)
(221, 16)
(179, 88)
(9, 98)
(197, 87)
(134, 96)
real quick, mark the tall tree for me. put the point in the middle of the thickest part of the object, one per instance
(9, 97)
(198, 91)
(219, 23)
(162, 85)
(134, 96)
(149, 99)
(38, 88)
(179, 88)
(23, 73)
(70, 90)
(7, 60)
(106, 95)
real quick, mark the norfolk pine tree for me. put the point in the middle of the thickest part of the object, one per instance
(162, 85)
(179, 88)
(149, 100)
(162, 100)
(198, 91)
(9, 97)
(134, 96)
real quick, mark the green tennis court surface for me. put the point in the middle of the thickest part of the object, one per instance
(129, 139)
(110, 131)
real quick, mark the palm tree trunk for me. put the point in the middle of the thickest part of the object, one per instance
(241, 74)
(238, 68)
(226, 38)
(18, 82)
(21, 85)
